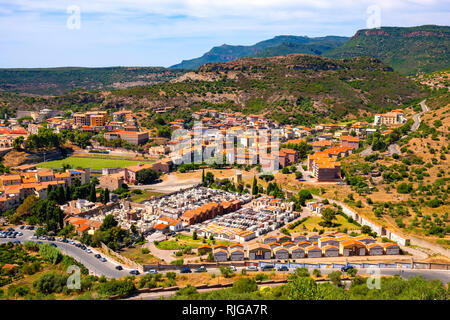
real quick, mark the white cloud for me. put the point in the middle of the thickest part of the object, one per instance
(139, 29)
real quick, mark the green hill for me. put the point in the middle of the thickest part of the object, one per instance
(53, 81)
(407, 50)
(297, 89)
(279, 45)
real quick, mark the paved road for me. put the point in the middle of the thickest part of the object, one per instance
(442, 275)
(366, 152)
(394, 148)
(416, 117)
(171, 184)
(94, 265)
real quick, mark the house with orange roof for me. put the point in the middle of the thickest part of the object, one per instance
(297, 252)
(349, 141)
(352, 248)
(319, 144)
(313, 252)
(330, 251)
(391, 248)
(375, 249)
(258, 251)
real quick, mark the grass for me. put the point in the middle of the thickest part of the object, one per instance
(147, 194)
(136, 255)
(186, 241)
(313, 222)
(93, 163)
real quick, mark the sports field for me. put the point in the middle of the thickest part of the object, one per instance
(93, 163)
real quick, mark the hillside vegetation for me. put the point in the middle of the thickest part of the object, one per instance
(53, 81)
(279, 45)
(407, 50)
(299, 89)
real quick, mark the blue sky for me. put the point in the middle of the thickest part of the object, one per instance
(34, 33)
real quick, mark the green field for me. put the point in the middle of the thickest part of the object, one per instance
(313, 223)
(93, 163)
(187, 241)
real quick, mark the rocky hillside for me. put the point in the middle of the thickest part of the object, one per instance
(300, 89)
(407, 50)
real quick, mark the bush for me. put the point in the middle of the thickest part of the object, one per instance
(145, 250)
(50, 282)
(317, 273)
(117, 287)
(245, 285)
(50, 253)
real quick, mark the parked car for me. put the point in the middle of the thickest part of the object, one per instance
(65, 240)
(201, 269)
(185, 270)
(88, 250)
(135, 272)
(151, 271)
(83, 247)
(346, 268)
(51, 238)
(102, 259)
(54, 245)
(119, 268)
(22, 227)
(30, 228)
(283, 268)
(98, 256)
(266, 268)
(251, 268)
(233, 268)
(16, 241)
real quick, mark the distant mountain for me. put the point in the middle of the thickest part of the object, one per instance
(54, 81)
(407, 50)
(279, 45)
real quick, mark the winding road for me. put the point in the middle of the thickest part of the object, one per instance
(95, 266)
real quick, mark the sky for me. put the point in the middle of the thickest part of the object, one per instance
(99, 33)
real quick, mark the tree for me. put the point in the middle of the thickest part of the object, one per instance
(245, 285)
(92, 194)
(328, 215)
(50, 282)
(105, 196)
(108, 223)
(335, 278)
(194, 236)
(17, 143)
(302, 288)
(226, 271)
(254, 187)
(25, 208)
(203, 178)
(147, 176)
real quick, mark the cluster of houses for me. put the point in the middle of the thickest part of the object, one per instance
(28, 180)
(123, 124)
(301, 246)
(324, 164)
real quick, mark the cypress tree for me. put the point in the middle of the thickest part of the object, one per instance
(254, 187)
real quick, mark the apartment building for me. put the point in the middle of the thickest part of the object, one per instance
(390, 118)
(132, 137)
